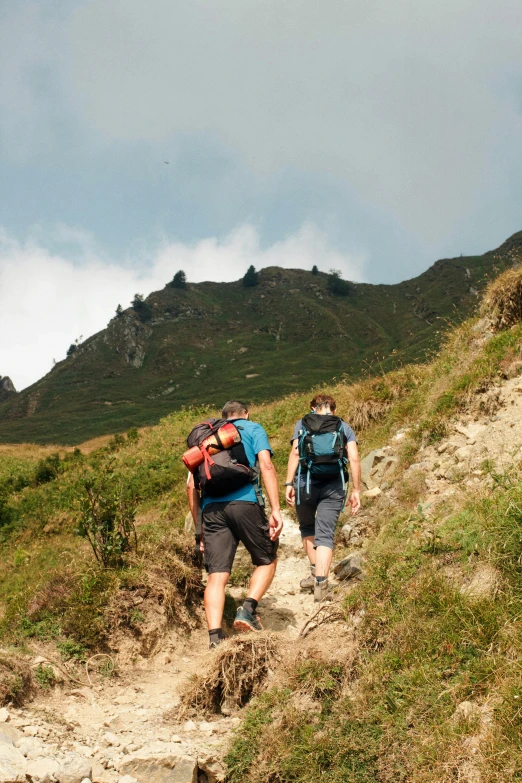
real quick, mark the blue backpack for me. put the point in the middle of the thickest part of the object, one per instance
(322, 450)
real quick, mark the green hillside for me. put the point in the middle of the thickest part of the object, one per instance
(411, 675)
(215, 340)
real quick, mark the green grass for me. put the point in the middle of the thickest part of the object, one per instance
(424, 647)
(288, 334)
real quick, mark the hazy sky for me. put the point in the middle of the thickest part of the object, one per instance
(365, 135)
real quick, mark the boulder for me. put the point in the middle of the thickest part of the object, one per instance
(10, 733)
(213, 768)
(161, 769)
(368, 464)
(373, 492)
(383, 468)
(42, 770)
(4, 715)
(12, 764)
(73, 769)
(99, 774)
(346, 532)
(349, 567)
(472, 431)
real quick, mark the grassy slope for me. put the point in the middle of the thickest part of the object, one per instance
(423, 646)
(295, 334)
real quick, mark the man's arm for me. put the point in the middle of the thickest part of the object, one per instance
(355, 470)
(293, 463)
(269, 477)
(193, 501)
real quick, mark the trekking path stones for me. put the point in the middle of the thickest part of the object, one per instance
(117, 732)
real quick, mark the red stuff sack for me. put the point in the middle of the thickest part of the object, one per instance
(221, 466)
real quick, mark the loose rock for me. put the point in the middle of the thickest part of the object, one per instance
(12, 764)
(43, 770)
(213, 768)
(167, 769)
(348, 568)
(73, 769)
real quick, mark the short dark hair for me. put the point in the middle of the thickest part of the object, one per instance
(233, 408)
(323, 399)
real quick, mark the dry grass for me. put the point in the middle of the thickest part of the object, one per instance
(236, 672)
(16, 684)
(503, 300)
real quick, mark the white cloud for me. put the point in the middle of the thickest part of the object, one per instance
(47, 300)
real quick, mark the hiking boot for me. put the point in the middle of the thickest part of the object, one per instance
(246, 622)
(213, 645)
(320, 590)
(308, 583)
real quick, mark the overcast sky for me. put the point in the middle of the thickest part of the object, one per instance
(365, 135)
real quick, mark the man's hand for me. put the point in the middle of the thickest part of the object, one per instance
(355, 501)
(290, 496)
(276, 525)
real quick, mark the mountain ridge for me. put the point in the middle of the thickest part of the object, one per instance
(199, 345)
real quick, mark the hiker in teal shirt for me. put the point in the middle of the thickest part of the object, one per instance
(240, 516)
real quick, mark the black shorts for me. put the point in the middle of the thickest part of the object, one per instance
(226, 524)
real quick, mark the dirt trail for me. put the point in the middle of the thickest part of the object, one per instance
(108, 723)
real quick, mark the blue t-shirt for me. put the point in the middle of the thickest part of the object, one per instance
(254, 440)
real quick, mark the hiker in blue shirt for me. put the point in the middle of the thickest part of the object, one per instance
(239, 515)
(316, 483)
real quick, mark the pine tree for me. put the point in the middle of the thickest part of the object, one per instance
(315, 270)
(142, 308)
(119, 311)
(179, 280)
(251, 277)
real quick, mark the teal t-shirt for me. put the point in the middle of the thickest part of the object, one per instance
(254, 440)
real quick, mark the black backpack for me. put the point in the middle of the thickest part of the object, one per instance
(223, 472)
(322, 449)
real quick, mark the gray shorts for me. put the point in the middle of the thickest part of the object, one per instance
(318, 513)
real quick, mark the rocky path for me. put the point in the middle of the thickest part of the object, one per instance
(116, 732)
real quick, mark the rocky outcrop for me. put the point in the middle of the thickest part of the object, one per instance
(129, 336)
(7, 388)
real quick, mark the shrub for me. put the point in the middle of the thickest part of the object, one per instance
(71, 349)
(44, 676)
(133, 435)
(106, 520)
(116, 442)
(47, 469)
(336, 285)
(251, 277)
(142, 308)
(179, 280)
